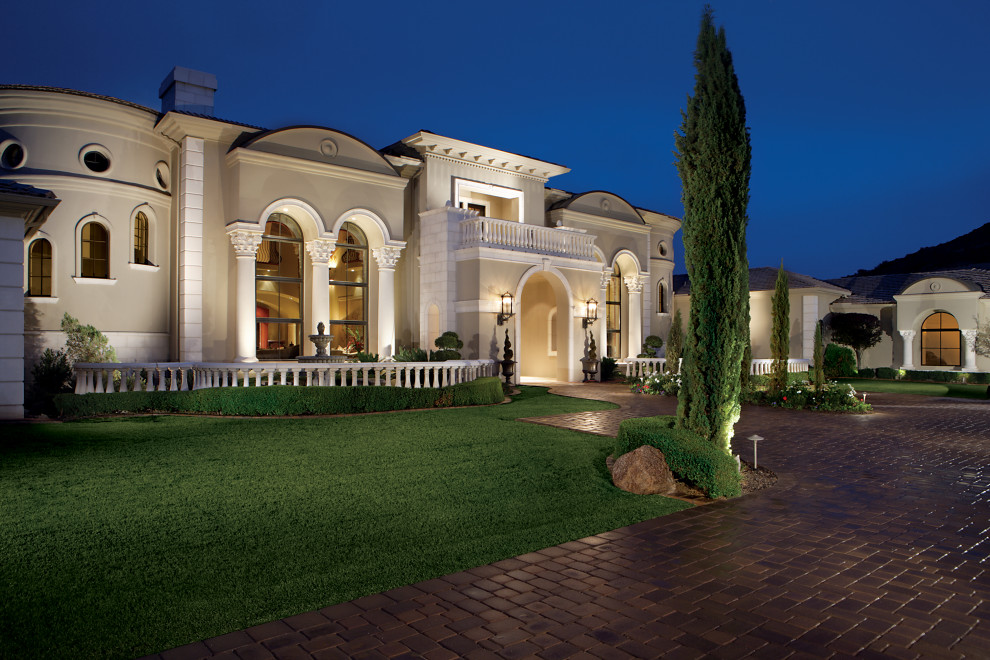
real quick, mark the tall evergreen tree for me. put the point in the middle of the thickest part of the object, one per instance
(819, 375)
(675, 343)
(713, 160)
(780, 333)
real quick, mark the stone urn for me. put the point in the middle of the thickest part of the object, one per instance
(589, 363)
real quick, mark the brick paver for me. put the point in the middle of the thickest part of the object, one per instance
(873, 543)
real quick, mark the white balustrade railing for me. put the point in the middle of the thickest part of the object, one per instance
(640, 367)
(182, 376)
(509, 235)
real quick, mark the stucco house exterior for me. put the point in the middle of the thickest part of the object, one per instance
(185, 237)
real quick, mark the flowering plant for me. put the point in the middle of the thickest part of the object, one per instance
(801, 395)
(659, 382)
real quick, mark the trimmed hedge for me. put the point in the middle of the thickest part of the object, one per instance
(282, 400)
(981, 378)
(839, 361)
(886, 373)
(690, 457)
(933, 376)
(866, 373)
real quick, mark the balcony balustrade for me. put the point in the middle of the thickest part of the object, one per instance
(509, 235)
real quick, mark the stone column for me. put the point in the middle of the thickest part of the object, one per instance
(969, 336)
(908, 337)
(386, 257)
(601, 328)
(190, 256)
(634, 284)
(245, 242)
(320, 251)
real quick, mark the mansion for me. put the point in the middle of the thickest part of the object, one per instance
(188, 238)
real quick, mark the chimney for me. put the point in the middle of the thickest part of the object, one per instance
(189, 91)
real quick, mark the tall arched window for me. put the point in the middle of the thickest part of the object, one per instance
(661, 302)
(141, 239)
(613, 315)
(940, 341)
(40, 268)
(278, 289)
(95, 250)
(348, 290)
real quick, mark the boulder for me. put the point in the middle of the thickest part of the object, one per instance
(643, 471)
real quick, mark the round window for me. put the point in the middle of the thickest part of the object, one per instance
(95, 158)
(12, 155)
(162, 175)
(662, 248)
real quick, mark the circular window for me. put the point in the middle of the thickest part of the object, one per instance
(162, 175)
(662, 248)
(328, 148)
(12, 155)
(95, 158)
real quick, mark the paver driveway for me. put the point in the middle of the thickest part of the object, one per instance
(872, 543)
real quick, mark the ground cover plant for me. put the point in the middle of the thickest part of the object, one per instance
(955, 390)
(122, 537)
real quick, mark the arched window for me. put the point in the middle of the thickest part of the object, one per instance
(40, 268)
(141, 239)
(95, 251)
(661, 301)
(613, 315)
(348, 290)
(940, 341)
(279, 289)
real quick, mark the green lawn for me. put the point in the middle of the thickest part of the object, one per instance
(122, 537)
(958, 390)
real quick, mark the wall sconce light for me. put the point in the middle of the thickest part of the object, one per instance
(592, 314)
(506, 311)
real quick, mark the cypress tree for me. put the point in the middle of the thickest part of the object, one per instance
(675, 342)
(780, 334)
(713, 160)
(819, 374)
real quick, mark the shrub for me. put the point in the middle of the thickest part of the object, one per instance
(886, 373)
(978, 378)
(608, 368)
(866, 373)
(51, 375)
(661, 383)
(361, 356)
(650, 347)
(690, 457)
(840, 362)
(84, 343)
(411, 355)
(934, 376)
(800, 395)
(449, 344)
(282, 400)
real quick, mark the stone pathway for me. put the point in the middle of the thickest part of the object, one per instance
(873, 543)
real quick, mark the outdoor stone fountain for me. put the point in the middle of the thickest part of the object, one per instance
(321, 341)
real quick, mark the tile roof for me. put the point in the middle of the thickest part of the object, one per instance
(12, 187)
(75, 92)
(765, 279)
(883, 288)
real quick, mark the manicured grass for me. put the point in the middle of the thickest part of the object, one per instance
(958, 390)
(123, 537)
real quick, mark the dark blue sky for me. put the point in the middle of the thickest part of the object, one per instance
(870, 121)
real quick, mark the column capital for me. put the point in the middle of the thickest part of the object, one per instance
(634, 283)
(320, 250)
(907, 335)
(606, 277)
(245, 241)
(387, 256)
(970, 337)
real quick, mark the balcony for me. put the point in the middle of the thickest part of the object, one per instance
(519, 237)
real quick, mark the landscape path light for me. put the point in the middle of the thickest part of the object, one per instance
(755, 439)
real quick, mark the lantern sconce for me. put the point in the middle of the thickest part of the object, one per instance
(592, 314)
(506, 310)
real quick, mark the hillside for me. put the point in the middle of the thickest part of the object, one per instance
(970, 250)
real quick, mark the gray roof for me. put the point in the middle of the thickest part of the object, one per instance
(74, 92)
(883, 288)
(12, 187)
(765, 279)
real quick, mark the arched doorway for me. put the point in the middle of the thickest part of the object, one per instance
(543, 340)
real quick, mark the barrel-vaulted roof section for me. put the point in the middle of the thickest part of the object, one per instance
(883, 288)
(319, 144)
(602, 203)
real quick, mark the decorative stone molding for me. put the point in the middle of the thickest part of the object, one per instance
(634, 283)
(606, 278)
(907, 335)
(320, 250)
(387, 256)
(970, 336)
(245, 241)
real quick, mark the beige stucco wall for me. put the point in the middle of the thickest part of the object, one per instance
(437, 186)
(133, 304)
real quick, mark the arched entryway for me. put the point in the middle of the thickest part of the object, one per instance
(544, 342)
